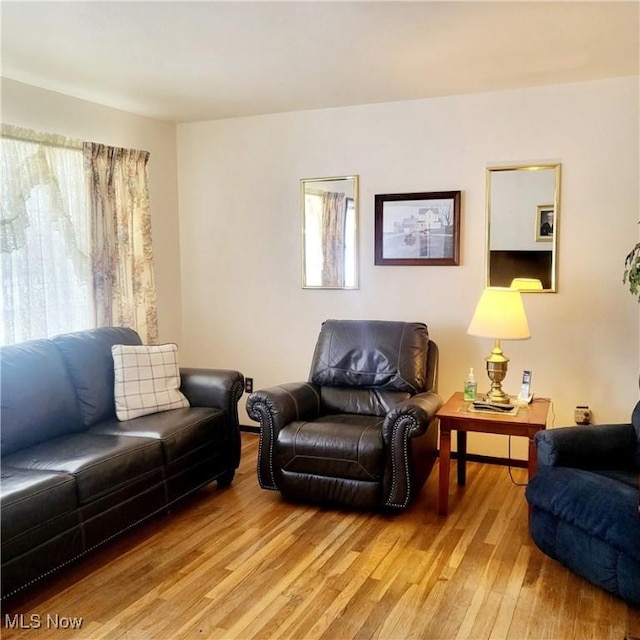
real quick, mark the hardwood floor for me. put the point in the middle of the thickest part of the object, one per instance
(241, 563)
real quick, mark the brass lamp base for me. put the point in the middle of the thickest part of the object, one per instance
(497, 371)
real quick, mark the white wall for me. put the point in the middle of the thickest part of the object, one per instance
(27, 106)
(243, 305)
(236, 251)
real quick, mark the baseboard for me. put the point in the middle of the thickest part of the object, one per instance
(471, 457)
(250, 428)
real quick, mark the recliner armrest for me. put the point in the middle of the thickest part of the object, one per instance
(422, 408)
(408, 419)
(589, 447)
(285, 403)
(274, 408)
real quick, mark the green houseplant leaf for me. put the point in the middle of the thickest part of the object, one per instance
(631, 273)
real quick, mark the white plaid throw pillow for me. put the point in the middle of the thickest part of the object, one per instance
(147, 380)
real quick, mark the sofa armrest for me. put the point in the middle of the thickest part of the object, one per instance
(274, 408)
(219, 388)
(409, 419)
(588, 447)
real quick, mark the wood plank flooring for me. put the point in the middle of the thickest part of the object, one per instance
(242, 564)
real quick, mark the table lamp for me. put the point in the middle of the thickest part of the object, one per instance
(526, 284)
(499, 315)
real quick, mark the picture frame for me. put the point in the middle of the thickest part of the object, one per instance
(545, 214)
(417, 229)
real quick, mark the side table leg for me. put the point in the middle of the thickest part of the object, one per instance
(533, 458)
(533, 465)
(445, 463)
(462, 458)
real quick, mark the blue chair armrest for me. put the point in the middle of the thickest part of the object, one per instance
(589, 447)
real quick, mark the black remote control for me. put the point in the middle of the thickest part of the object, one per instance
(487, 406)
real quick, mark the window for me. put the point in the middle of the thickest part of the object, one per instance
(75, 238)
(44, 240)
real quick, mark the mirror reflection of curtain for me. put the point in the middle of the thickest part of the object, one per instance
(333, 238)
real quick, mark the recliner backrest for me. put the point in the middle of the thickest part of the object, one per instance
(368, 366)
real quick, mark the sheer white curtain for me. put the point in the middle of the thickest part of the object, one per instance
(44, 237)
(313, 262)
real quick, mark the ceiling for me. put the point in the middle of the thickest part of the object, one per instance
(190, 61)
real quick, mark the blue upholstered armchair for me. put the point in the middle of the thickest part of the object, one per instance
(585, 503)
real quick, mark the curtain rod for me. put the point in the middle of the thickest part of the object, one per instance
(12, 132)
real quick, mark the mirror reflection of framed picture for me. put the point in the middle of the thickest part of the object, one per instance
(417, 229)
(544, 223)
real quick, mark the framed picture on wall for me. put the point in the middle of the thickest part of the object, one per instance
(418, 229)
(544, 223)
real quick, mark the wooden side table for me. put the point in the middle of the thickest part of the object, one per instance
(454, 415)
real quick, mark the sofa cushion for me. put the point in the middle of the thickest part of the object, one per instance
(30, 499)
(371, 353)
(87, 356)
(601, 506)
(626, 476)
(147, 380)
(100, 463)
(37, 399)
(180, 431)
(341, 446)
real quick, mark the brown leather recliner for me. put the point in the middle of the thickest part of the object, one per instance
(362, 432)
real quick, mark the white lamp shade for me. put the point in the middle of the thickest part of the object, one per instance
(526, 284)
(500, 315)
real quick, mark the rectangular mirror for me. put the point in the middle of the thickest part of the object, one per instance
(523, 210)
(329, 232)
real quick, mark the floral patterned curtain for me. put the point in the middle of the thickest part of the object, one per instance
(333, 222)
(122, 256)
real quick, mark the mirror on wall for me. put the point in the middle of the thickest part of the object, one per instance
(523, 208)
(329, 232)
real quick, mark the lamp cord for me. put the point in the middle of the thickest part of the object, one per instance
(517, 484)
(524, 484)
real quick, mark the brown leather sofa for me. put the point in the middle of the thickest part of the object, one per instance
(73, 476)
(362, 432)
